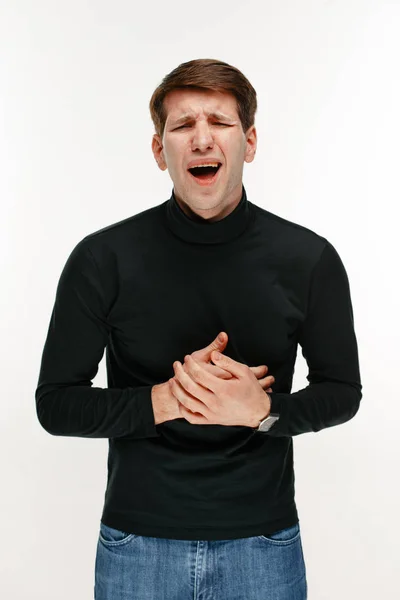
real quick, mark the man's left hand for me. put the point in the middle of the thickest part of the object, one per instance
(208, 400)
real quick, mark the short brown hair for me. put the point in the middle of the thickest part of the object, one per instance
(206, 74)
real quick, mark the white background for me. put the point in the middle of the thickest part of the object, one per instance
(76, 78)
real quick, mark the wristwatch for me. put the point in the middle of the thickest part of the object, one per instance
(266, 424)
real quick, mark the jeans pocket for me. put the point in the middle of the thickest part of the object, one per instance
(114, 537)
(284, 536)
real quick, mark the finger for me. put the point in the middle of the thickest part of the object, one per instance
(270, 379)
(266, 381)
(237, 369)
(201, 376)
(194, 418)
(213, 369)
(260, 370)
(216, 344)
(191, 386)
(184, 399)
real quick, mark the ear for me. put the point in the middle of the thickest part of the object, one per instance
(157, 147)
(251, 144)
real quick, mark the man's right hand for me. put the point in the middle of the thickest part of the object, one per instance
(166, 406)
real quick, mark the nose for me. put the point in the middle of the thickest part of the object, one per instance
(202, 137)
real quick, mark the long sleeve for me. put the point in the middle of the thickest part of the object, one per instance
(66, 402)
(328, 342)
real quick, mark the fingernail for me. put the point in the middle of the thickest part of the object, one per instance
(220, 337)
(217, 355)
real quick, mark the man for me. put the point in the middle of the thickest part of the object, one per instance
(200, 490)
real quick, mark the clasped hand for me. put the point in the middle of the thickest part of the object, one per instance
(233, 397)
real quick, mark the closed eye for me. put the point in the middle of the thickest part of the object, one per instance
(182, 126)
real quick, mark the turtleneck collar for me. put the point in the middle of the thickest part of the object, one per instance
(203, 232)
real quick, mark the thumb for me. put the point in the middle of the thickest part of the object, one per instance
(216, 344)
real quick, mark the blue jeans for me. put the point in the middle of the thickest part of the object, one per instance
(136, 567)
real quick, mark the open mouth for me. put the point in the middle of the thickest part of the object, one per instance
(205, 175)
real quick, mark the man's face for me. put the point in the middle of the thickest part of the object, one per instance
(204, 126)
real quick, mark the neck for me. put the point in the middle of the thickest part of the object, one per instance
(197, 230)
(211, 214)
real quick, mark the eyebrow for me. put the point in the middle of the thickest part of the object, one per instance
(190, 116)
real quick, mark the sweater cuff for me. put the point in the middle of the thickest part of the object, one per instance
(142, 415)
(279, 406)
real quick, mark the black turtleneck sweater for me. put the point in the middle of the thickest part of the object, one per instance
(159, 285)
